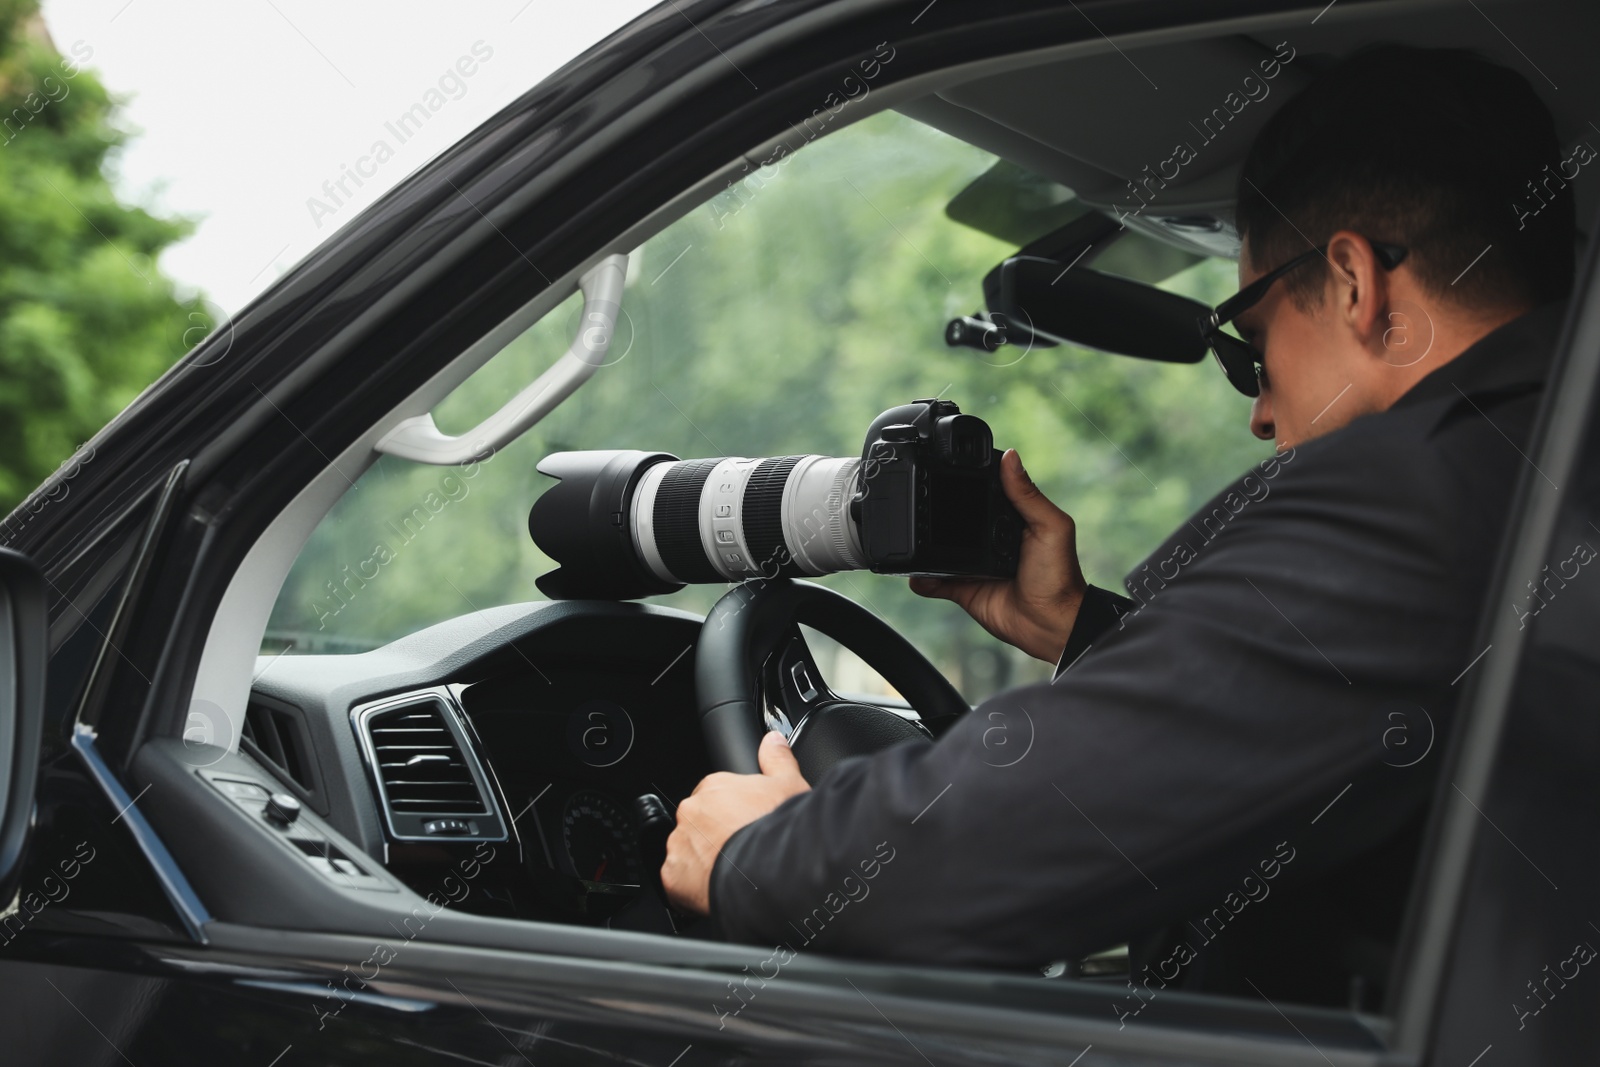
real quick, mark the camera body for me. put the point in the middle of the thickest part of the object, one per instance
(930, 500)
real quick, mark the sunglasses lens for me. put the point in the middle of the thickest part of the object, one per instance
(1238, 361)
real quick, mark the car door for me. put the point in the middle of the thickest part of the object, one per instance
(133, 965)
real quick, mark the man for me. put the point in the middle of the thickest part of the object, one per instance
(1232, 766)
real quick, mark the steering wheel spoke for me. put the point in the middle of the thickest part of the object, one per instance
(792, 685)
(754, 672)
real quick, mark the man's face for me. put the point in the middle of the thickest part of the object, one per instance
(1309, 370)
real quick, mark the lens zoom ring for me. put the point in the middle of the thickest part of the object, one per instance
(677, 521)
(763, 516)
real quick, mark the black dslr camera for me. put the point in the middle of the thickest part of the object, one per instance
(929, 498)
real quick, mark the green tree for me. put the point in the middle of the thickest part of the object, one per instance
(86, 318)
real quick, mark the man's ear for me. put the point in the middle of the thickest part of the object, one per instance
(1359, 287)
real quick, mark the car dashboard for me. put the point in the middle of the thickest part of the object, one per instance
(492, 762)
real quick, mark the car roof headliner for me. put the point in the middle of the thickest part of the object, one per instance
(1139, 101)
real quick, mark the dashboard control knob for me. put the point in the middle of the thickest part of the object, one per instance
(281, 809)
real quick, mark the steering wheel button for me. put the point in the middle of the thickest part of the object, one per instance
(803, 685)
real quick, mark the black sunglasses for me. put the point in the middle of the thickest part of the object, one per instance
(1240, 360)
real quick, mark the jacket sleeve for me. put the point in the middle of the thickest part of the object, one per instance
(1257, 674)
(1098, 613)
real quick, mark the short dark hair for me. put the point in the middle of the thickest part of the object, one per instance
(1438, 150)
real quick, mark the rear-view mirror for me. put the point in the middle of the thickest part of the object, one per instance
(1061, 302)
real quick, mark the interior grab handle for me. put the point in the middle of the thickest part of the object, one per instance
(419, 439)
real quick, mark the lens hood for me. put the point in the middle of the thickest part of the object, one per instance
(582, 524)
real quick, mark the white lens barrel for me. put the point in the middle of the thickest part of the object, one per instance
(817, 526)
(733, 518)
(641, 522)
(722, 532)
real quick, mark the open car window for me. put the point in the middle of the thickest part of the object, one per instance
(779, 318)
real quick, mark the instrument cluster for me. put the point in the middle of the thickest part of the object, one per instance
(572, 748)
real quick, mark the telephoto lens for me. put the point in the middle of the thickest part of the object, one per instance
(924, 498)
(666, 522)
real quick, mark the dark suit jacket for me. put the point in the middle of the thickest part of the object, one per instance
(1231, 766)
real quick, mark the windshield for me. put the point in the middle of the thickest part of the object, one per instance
(780, 318)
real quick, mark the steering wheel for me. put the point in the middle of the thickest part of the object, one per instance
(753, 671)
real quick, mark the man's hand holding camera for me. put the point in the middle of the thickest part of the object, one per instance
(1036, 609)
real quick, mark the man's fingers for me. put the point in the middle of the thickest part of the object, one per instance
(712, 781)
(777, 759)
(1036, 508)
(960, 590)
(677, 875)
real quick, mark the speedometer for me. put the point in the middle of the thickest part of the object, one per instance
(600, 839)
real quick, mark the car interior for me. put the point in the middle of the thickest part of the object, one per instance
(379, 739)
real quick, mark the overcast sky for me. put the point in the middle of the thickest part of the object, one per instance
(243, 109)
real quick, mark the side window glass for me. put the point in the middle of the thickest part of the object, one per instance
(781, 317)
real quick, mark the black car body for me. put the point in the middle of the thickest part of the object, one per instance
(162, 919)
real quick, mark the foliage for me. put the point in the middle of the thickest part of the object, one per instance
(86, 319)
(781, 318)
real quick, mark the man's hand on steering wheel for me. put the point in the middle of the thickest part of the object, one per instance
(1035, 610)
(721, 804)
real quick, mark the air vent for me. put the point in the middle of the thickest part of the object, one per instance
(276, 735)
(429, 781)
